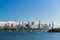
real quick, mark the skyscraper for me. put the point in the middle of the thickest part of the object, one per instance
(28, 25)
(52, 25)
(32, 23)
(39, 25)
(49, 25)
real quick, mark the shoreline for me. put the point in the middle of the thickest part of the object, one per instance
(17, 29)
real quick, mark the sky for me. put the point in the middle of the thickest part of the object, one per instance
(30, 10)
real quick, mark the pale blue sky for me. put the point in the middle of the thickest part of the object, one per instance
(32, 10)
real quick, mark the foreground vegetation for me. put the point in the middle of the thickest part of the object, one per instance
(54, 30)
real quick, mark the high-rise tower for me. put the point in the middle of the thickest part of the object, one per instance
(52, 25)
(32, 23)
(39, 25)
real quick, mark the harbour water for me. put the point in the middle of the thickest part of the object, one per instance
(28, 35)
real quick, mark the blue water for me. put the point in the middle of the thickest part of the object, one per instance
(29, 35)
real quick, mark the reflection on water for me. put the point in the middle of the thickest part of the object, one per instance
(28, 35)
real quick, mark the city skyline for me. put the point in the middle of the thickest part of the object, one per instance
(26, 25)
(30, 10)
